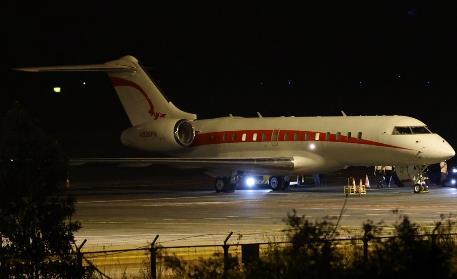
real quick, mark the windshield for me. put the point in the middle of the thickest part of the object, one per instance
(411, 130)
(420, 130)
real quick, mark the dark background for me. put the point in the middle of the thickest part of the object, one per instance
(214, 58)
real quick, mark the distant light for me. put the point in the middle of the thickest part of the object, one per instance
(57, 89)
(452, 181)
(250, 181)
(454, 170)
(289, 82)
(398, 76)
(312, 146)
(11, 160)
(84, 83)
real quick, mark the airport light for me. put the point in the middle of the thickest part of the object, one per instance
(454, 170)
(250, 181)
(452, 181)
(312, 146)
(57, 89)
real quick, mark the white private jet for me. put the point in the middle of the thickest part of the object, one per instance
(277, 146)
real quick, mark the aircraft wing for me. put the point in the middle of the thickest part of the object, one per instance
(80, 68)
(280, 163)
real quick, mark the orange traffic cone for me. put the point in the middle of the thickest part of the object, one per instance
(367, 181)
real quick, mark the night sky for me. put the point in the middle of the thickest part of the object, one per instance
(216, 58)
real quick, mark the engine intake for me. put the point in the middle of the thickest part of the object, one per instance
(162, 135)
(184, 133)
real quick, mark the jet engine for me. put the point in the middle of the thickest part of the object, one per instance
(162, 135)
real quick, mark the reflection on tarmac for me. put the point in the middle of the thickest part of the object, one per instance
(120, 218)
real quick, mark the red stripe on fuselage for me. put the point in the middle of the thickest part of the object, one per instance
(123, 82)
(281, 136)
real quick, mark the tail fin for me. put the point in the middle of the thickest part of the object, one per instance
(139, 95)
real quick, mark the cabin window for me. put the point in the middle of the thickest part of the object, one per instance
(359, 135)
(264, 136)
(401, 131)
(316, 137)
(306, 136)
(296, 136)
(349, 135)
(327, 136)
(338, 135)
(275, 136)
(224, 137)
(234, 136)
(254, 137)
(243, 137)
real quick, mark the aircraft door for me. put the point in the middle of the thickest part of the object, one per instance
(275, 137)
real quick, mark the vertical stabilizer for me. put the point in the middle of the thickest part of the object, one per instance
(140, 96)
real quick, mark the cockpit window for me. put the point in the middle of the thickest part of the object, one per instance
(401, 131)
(420, 130)
(411, 130)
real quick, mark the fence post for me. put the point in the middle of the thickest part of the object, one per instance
(226, 254)
(153, 251)
(79, 256)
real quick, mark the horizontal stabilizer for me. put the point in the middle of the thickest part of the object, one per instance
(80, 68)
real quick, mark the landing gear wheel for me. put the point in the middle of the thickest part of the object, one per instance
(424, 188)
(276, 183)
(229, 186)
(219, 184)
(417, 188)
(223, 184)
(285, 185)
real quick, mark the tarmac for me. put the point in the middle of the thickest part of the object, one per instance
(131, 216)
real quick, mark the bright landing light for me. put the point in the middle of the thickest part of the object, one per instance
(250, 181)
(56, 89)
(454, 170)
(312, 146)
(453, 181)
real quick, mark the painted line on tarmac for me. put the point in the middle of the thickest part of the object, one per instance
(377, 214)
(161, 204)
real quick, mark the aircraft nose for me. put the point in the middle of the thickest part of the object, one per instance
(448, 151)
(439, 150)
(451, 152)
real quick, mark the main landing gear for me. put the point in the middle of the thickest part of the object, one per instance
(225, 184)
(278, 183)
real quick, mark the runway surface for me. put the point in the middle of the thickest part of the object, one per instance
(123, 218)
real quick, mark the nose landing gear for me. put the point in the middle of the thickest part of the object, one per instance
(420, 184)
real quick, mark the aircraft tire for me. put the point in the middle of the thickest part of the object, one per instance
(417, 188)
(229, 187)
(285, 185)
(219, 184)
(276, 183)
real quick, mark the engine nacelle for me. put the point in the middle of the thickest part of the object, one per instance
(162, 135)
